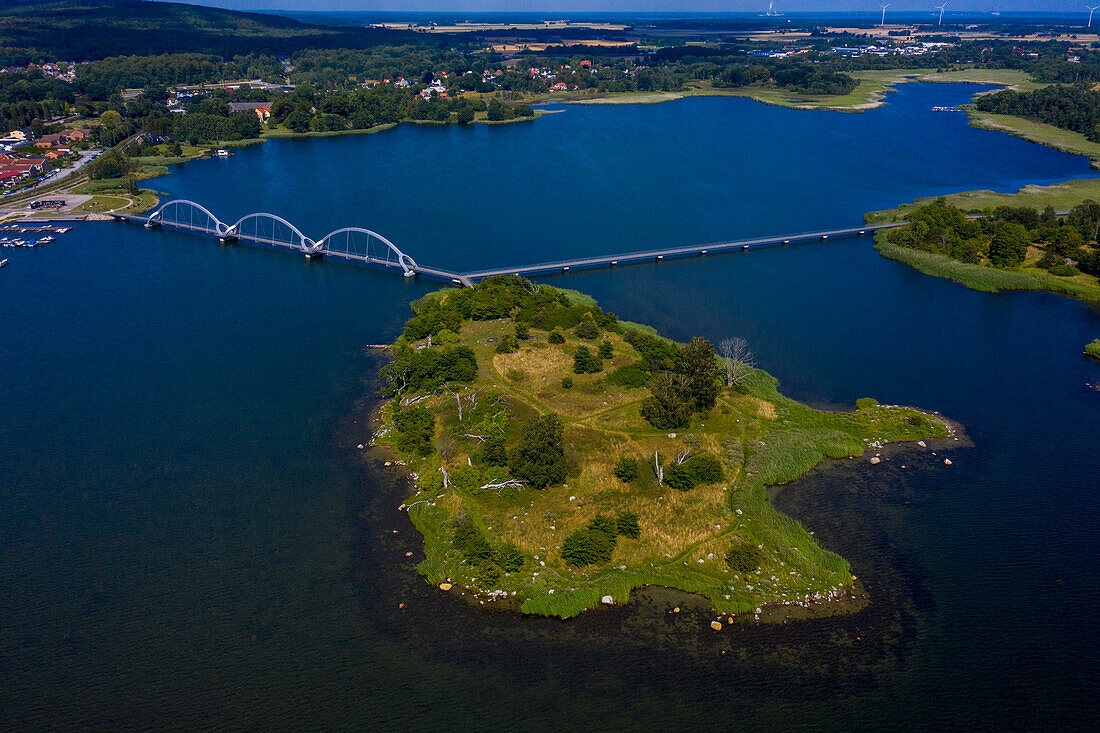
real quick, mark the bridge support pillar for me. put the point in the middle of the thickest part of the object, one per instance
(410, 273)
(150, 224)
(314, 255)
(227, 239)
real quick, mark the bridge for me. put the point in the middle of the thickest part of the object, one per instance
(364, 246)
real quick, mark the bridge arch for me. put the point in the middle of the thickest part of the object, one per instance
(408, 264)
(158, 216)
(306, 244)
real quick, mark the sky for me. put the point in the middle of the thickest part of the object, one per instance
(698, 6)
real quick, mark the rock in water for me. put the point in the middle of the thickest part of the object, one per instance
(716, 625)
(875, 460)
(947, 461)
(607, 599)
(444, 586)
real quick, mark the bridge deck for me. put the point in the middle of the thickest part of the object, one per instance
(468, 279)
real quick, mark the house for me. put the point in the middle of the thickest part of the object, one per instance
(248, 106)
(50, 141)
(264, 113)
(56, 153)
(76, 134)
(22, 135)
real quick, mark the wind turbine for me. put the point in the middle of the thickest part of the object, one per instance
(1090, 14)
(941, 7)
(884, 13)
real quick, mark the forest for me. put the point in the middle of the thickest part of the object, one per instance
(1071, 107)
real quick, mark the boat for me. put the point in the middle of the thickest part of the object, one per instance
(3, 262)
(221, 153)
(46, 240)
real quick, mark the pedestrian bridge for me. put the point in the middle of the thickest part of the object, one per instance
(365, 246)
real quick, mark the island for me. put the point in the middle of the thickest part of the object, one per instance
(560, 458)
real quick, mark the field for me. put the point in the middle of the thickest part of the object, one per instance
(760, 437)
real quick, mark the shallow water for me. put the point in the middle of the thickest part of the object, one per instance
(188, 537)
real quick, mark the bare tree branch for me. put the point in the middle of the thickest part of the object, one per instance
(682, 456)
(738, 361)
(657, 467)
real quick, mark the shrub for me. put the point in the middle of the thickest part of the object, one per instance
(587, 330)
(507, 345)
(446, 336)
(744, 558)
(679, 478)
(585, 362)
(606, 350)
(492, 451)
(557, 336)
(627, 469)
(1064, 270)
(416, 426)
(704, 469)
(864, 402)
(488, 572)
(669, 407)
(517, 375)
(627, 525)
(592, 545)
(539, 460)
(466, 478)
(1093, 349)
(509, 558)
(567, 382)
(632, 375)
(471, 542)
(522, 332)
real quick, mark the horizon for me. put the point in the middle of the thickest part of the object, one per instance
(629, 7)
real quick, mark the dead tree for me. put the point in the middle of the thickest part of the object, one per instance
(738, 361)
(657, 468)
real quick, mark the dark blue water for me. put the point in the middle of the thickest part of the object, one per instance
(188, 537)
(615, 178)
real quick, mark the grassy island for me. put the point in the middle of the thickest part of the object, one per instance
(1092, 350)
(562, 458)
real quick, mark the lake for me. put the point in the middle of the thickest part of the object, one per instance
(189, 538)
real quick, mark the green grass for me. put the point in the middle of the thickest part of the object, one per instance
(1061, 196)
(1037, 132)
(762, 437)
(1093, 349)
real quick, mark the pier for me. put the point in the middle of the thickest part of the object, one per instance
(364, 246)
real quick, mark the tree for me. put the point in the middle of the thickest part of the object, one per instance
(1008, 248)
(737, 360)
(539, 459)
(668, 408)
(605, 350)
(585, 362)
(557, 336)
(587, 330)
(298, 120)
(699, 365)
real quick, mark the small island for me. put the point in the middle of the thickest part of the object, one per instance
(561, 457)
(1092, 349)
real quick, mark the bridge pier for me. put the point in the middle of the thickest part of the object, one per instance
(227, 238)
(314, 255)
(150, 224)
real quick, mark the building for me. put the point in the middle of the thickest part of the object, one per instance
(249, 106)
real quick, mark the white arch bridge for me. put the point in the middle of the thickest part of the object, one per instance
(364, 246)
(349, 243)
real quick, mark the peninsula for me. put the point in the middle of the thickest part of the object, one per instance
(561, 458)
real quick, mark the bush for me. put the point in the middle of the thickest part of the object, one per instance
(864, 402)
(585, 362)
(632, 375)
(1064, 270)
(416, 426)
(567, 382)
(557, 336)
(587, 330)
(509, 558)
(507, 345)
(592, 545)
(539, 460)
(704, 469)
(679, 478)
(627, 525)
(744, 558)
(492, 451)
(606, 350)
(522, 332)
(627, 469)
(471, 542)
